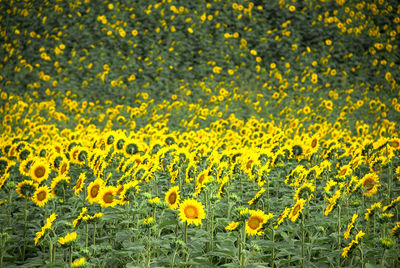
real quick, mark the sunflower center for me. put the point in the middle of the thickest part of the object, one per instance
(108, 197)
(369, 184)
(201, 179)
(172, 198)
(314, 143)
(191, 212)
(395, 144)
(343, 172)
(254, 222)
(296, 210)
(41, 196)
(248, 166)
(94, 191)
(63, 168)
(78, 183)
(39, 171)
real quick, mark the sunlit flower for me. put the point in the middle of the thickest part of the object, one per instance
(191, 211)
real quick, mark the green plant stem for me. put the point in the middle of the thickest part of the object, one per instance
(25, 224)
(70, 255)
(302, 239)
(390, 177)
(149, 248)
(268, 197)
(273, 248)
(361, 255)
(242, 259)
(383, 258)
(338, 232)
(87, 235)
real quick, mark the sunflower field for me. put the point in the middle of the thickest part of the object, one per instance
(199, 133)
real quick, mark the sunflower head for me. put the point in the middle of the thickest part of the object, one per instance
(191, 211)
(107, 196)
(94, 190)
(41, 195)
(172, 197)
(256, 221)
(40, 170)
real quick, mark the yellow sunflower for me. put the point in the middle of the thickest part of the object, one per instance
(40, 170)
(296, 209)
(107, 196)
(68, 238)
(191, 211)
(80, 183)
(232, 226)
(79, 262)
(172, 197)
(64, 167)
(41, 195)
(370, 183)
(94, 190)
(256, 221)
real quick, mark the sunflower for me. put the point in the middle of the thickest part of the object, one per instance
(56, 181)
(296, 209)
(49, 222)
(280, 219)
(191, 211)
(94, 190)
(67, 239)
(350, 226)
(26, 188)
(332, 202)
(370, 183)
(371, 210)
(75, 222)
(396, 230)
(305, 191)
(41, 195)
(80, 183)
(24, 167)
(347, 249)
(344, 171)
(256, 221)
(257, 195)
(106, 196)
(79, 262)
(172, 197)
(232, 226)
(63, 167)
(40, 170)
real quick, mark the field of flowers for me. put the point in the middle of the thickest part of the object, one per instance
(199, 133)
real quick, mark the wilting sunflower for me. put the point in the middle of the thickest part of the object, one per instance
(107, 197)
(40, 170)
(67, 239)
(172, 197)
(296, 209)
(257, 219)
(26, 188)
(94, 190)
(80, 183)
(191, 211)
(41, 195)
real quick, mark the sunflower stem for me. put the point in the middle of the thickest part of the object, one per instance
(70, 255)
(87, 235)
(273, 248)
(390, 177)
(25, 224)
(302, 239)
(242, 259)
(383, 258)
(361, 255)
